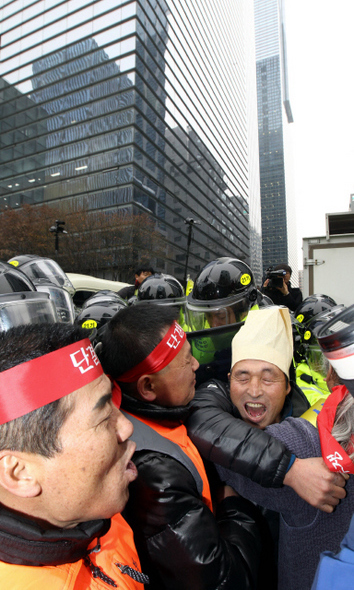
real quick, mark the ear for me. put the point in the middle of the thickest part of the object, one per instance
(145, 387)
(288, 389)
(17, 474)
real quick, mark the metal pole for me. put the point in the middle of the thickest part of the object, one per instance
(187, 255)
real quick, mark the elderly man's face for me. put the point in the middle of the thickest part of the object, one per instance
(258, 390)
(89, 478)
(175, 384)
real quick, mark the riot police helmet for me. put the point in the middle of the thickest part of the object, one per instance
(310, 348)
(98, 314)
(163, 289)
(312, 306)
(160, 286)
(223, 293)
(104, 295)
(38, 267)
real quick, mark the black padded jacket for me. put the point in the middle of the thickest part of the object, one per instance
(221, 436)
(181, 544)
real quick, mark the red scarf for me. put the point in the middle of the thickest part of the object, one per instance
(333, 454)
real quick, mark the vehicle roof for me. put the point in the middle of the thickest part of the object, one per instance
(94, 284)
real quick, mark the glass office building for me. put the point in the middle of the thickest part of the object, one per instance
(274, 116)
(135, 106)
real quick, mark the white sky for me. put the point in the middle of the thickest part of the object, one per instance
(321, 81)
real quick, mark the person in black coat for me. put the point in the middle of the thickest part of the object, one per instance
(286, 295)
(186, 539)
(228, 429)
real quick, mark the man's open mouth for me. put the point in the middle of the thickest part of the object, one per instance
(255, 410)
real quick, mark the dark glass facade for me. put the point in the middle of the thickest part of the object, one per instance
(132, 106)
(274, 115)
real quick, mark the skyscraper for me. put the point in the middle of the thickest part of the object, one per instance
(274, 117)
(135, 106)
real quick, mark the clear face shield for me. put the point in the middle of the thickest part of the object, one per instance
(62, 301)
(316, 360)
(178, 302)
(214, 314)
(18, 309)
(45, 268)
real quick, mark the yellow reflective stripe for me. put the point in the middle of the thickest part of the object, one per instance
(311, 414)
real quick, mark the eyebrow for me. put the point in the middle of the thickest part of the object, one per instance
(271, 371)
(102, 402)
(240, 372)
(247, 372)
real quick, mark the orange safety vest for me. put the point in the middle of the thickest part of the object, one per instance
(117, 547)
(179, 437)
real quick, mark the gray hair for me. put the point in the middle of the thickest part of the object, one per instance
(343, 428)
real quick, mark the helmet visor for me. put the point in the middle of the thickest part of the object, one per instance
(316, 360)
(46, 268)
(62, 301)
(179, 303)
(217, 313)
(26, 311)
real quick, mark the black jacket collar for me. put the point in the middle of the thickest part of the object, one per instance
(154, 411)
(24, 542)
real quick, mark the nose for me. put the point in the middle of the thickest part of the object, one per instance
(124, 427)
(254, 387)
(195, 364)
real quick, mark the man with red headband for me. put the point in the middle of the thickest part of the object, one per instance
(65, 466)
(183, 540)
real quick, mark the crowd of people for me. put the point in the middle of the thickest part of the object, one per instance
(163, 441)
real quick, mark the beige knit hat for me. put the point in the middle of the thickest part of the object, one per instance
(267, 336)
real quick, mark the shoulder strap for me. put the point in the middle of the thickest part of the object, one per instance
(146, 438)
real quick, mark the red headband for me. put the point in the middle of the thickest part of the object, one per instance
(45, 379)
(333, 454)
(160, 357)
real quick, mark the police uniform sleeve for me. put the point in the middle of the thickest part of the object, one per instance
(222, 438)
(181, 544)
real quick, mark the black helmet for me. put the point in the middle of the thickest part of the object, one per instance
(97, 315)
(37, 267)
(312, 306)
(13, 280)
(160, 286)
(224, 278)
(105, 295)
(320, 319)
(310, 350)
(224, 289)
(162, 289)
